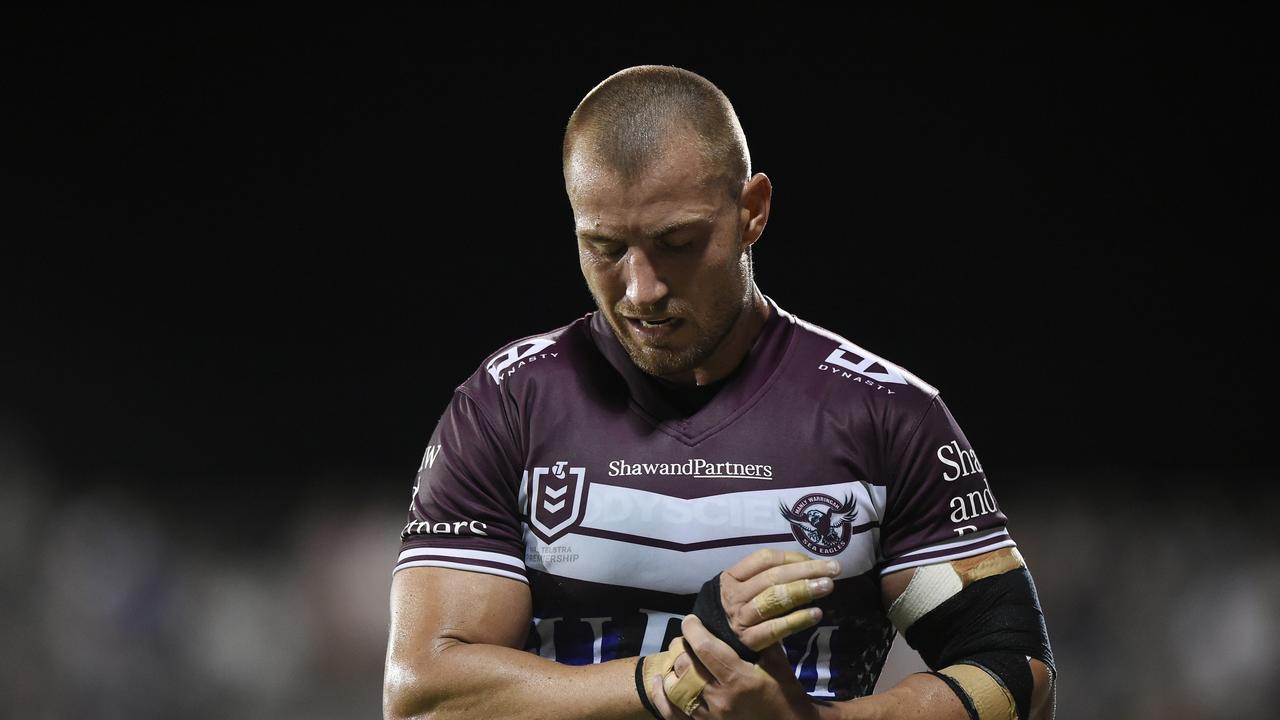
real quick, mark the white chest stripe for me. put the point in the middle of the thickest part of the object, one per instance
(715, 517)
(626, 564)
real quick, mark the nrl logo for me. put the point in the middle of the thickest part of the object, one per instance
(820, 523)
(556, 496)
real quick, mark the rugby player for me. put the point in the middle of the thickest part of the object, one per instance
(691, 502)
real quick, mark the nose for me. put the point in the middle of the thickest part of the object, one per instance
(644, 286)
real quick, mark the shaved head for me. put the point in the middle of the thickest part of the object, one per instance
(630, 120)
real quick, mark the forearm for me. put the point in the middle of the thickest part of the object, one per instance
(920, 696)
(461, 680)
(928, 698)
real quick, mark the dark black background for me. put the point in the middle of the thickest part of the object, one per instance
(250, 253)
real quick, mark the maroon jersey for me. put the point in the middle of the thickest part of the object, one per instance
(562, 465)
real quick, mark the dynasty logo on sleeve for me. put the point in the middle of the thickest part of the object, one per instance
(507, 362)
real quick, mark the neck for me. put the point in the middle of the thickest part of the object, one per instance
(735, 345)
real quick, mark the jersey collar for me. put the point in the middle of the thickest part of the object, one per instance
(746, 385)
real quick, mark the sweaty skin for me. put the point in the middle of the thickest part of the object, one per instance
(667, 247)
(672, 249)
(454, 652)
(667, 259)
(739, 690)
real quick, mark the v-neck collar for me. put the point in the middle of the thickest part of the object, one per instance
(745, 385)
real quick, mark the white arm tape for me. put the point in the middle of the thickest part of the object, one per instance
(931, 586)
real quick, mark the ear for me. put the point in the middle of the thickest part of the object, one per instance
(753, 207)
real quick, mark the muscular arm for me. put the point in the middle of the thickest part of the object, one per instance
(925, 696)
(452, 654)
(737, 690)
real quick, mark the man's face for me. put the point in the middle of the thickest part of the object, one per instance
(663, 258)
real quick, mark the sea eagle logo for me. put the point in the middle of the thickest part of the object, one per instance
(821, 523)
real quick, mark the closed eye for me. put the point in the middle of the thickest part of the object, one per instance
(604, 247)
(682, 243)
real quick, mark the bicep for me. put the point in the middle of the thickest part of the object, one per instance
(433, 608)
(932, 592)
(460, 575)
(893, 585)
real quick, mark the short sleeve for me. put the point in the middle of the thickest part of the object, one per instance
(464, 513)
(939, 503)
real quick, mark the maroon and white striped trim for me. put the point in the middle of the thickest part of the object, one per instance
(964, 547)
(459, 559)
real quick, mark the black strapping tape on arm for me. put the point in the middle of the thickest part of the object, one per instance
(709, 610)
(996, 623)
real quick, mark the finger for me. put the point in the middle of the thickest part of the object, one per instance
(762, 560)
(773, 661)
(771, 632)
(783, 574)
(685, 691)
(711, 652)
(682, 664)
(658, 694)
(696, 665)
(777, 600)
(661, 663)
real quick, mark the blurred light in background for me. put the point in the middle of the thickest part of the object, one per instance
(1161, 603)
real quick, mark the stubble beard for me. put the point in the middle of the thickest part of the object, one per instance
(710, 330)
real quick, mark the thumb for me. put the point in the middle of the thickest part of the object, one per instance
(774, 661)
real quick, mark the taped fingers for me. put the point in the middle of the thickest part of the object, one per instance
(768, 633)
(775, 600)
(662, 708)
(658, 665)
(778, 599)
(799, 583)
(684, 690)
(663, 662)
(781, 575)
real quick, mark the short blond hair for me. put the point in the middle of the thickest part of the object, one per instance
(626, 121)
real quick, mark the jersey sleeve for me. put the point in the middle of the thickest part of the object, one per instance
(939, 503)
(464, 513)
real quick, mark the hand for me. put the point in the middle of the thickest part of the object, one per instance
(735, 689)
(759, 595)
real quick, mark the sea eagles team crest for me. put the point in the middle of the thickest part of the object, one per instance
(821, 523)
(556, 496)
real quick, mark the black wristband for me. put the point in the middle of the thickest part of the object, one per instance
(644, 694)
(709, 610)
